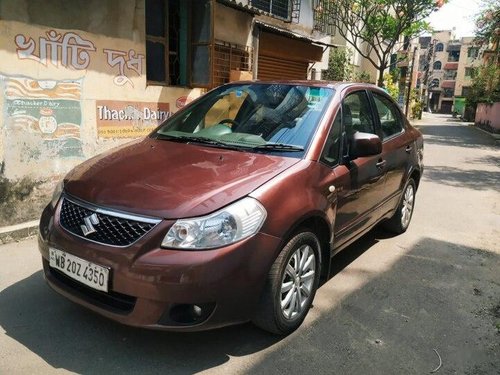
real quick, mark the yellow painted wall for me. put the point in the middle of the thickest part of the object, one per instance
(105, 62)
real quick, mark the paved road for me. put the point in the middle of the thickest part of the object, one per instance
(391, 301)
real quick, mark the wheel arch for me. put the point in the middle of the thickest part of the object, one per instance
(317, 224)
(416, 175)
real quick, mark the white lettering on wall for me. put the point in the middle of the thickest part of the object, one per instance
(68, 50)
(122, 59)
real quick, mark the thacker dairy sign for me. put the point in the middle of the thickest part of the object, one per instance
(121, 119)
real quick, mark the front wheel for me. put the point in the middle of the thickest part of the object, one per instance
(291, 285)
(401, 220)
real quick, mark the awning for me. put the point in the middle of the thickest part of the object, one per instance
(240, 6)
(451, 66)
(448, 84)
(292, 34)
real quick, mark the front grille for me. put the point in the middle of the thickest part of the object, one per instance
(111, 301)
(103, 226)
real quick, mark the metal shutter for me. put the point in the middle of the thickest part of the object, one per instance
(274, 68)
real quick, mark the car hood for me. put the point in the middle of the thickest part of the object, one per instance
(171, 180)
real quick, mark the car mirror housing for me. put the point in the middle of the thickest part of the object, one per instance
(364, 144)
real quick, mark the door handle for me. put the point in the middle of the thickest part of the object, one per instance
(408, 149)
(381, 164)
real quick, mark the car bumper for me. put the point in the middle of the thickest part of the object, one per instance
(164, 289)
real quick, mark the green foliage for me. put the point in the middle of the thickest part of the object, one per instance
(416, 110)
(379, 24)
(488, 24)
(391, 85)
(339, 67)
(363, 77)
(485, 86)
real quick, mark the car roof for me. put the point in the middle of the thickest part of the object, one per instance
(305, 82)
(337, 85)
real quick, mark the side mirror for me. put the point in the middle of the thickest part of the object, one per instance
(364, 144)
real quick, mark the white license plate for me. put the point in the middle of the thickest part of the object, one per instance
(81, 270)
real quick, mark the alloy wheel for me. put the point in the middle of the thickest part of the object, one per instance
(297, 283)
(407, 207)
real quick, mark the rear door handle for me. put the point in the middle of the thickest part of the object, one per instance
(408, 149)
(381, 164)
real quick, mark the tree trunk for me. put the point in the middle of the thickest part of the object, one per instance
(380, 81)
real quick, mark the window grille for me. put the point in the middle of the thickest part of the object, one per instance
(229, 57)
(323, 16)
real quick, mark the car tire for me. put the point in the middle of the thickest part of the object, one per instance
(400, 221)
(290, 286)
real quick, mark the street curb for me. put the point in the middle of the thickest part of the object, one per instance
(496, 137)
(19, 232)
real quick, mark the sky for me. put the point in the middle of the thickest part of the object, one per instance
(458, 14)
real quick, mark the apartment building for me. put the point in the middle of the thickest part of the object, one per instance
(446, 68)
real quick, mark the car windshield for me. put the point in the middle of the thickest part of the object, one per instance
(257, 117)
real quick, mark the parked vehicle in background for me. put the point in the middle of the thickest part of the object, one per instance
(232, 209)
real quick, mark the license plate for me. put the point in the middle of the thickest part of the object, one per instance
(87, 273)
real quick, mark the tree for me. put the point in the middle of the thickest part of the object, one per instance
(378, 25)
(485, 86)
(488, 26)
(339, 67)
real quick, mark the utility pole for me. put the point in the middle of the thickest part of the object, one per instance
(431, 57)
(410, 81)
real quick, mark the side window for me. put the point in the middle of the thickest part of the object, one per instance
(331, 151)
(357, 114)
(390, 117)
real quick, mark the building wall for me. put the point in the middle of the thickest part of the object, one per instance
(73, 83)
(233, 26)
(488, 117)
(464, 63)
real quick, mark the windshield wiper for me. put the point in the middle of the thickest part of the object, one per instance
(202, 140)
(279, 147)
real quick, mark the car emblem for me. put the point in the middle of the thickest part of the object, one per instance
(88, 226)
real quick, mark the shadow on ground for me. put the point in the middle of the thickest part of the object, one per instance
(456, 135)
(475, 179)
(491, 160)
(438, 295)
(427, 300)
(67, 336)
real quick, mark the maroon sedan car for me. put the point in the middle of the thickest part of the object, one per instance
(231, 210)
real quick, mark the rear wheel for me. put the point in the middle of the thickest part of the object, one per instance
(401, 220)
(291, 285)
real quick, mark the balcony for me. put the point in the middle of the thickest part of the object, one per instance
(448, 84)
(448, 93)
(450, 75)
(453, 47)
(451, 66)
(453, 56)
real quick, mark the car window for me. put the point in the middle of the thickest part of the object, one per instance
(331, 151)
(226, 107)
(257, 117)
(357, 114)
(390, 117)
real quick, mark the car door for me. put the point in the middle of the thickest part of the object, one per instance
(358, 182)
(396, 148)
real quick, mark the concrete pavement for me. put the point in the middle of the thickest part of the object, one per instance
(389, 304)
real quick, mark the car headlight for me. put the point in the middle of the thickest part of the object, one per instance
(57, 193)
(226, 226)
